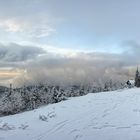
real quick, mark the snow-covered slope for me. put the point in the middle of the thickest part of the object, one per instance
(102, 116)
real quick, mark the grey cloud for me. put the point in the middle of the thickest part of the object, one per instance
(19, 53)
(105, 16)
(26, 20)
(84, 68)
(131, 53)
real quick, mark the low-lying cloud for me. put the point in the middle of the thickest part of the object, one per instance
(35, 65)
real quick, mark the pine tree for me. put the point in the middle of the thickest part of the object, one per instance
(137, 78)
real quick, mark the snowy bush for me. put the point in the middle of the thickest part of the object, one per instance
(11, 104)
(6, 127)
(43, 118)
(51, 114)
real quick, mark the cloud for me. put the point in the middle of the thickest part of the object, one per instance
(25, 21)
(101, 19)
(32, 65)
(24, 29)
(12, 25)
(41, 31)
(13, 58)
(18, 53)
(76, 23)
(81, 68)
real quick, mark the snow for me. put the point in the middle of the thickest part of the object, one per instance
(102, 116)
(132, 81)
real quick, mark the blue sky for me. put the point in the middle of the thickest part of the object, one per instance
(104, 33)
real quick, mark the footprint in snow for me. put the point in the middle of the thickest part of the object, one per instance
(74, 131)
(23, 126)
(105, 115)
(78, 137)
(124, 127)
(135, 124)
(138, 131)
(108, 125)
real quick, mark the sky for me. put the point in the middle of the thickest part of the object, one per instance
(68, 41)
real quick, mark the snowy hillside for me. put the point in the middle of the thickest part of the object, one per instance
(102, 116)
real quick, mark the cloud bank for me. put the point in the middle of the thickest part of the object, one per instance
(33, 65)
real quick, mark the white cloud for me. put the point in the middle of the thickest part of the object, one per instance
(41, 31)
(12, 25)
(22, 30)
